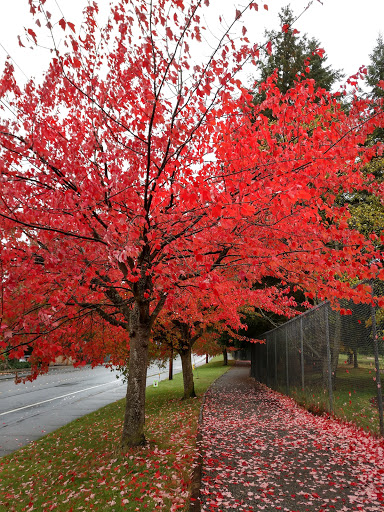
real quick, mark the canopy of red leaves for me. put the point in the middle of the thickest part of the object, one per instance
(132, 176)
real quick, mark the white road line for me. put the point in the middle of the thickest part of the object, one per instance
(63, 396)
(56, 398)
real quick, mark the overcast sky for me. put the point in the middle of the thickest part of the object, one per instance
(347, 29)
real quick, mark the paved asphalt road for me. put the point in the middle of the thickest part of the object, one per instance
(29, 411)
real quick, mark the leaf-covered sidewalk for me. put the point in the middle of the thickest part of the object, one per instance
(262, 452)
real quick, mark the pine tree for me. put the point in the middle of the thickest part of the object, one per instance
(367, 209)
(293, 55)
(376, 69)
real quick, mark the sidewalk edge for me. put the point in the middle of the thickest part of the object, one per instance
(194, 498)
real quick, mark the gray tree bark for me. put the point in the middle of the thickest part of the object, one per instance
(134, 419)
(186, 363)
(170, 373)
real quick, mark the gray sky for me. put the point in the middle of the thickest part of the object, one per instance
(347, 29)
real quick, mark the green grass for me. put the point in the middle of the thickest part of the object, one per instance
(352, 398)
(364, 361)
(79, 466)
(355, 389)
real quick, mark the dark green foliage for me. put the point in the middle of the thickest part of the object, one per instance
(375, 74)
(375, 71)
(13, 364)
(293, 56)
(366, 208)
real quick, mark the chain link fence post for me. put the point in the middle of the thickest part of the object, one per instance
(377, 364)
(274, 337)
(258, 366)
(267, 343)
(302, 354)
(286, 361)
(253, 361)
(329, 361)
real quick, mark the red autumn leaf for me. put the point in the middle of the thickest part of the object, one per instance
(320, 52)
(32, 34)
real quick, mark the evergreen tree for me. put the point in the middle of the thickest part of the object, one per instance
(375, 75)
(293, 55)
(375, 71)
(367, 209)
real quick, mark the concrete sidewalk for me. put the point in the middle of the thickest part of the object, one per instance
(262, 452)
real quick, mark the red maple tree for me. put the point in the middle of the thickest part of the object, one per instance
(131, 174)
(201, 317)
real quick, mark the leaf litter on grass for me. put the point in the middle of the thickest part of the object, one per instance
(78, 468)
(51, 475)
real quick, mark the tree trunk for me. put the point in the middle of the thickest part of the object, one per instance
(186, 363)
(355, 363)
(225, 356)
(170, 375)
(206, 358)
(133, 428)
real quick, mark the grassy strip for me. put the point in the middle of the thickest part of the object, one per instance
(354, 397)
(78, 467)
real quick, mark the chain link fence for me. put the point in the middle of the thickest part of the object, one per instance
(328, 362)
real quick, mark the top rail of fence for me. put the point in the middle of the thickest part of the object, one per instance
(298, 317)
